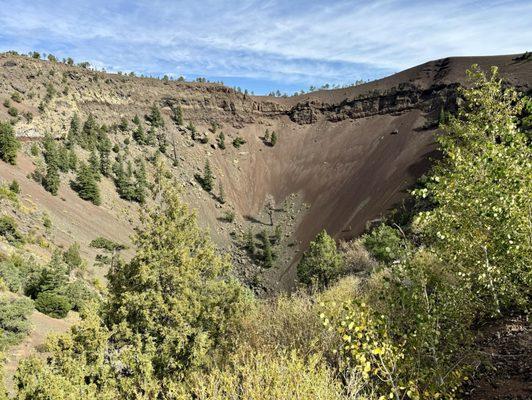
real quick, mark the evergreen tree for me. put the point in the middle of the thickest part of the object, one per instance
(221, 140)
(267, 255)
(72, 160)
(123, 180)
(136, 120)
(321, 263)
(89, 133)
(63, 158)
(141, 182)
(208, 178)
(14, 186)
(221, 194)
(9, 143)
(273, 139)
(139, 135)
(155, 117)
(104, 150)
(177, 115)
(187, 300)
(94, 162)
(267, 136)
(249, 240)
(151, 138)
(73, 132)
(51, 180)
(86, 184)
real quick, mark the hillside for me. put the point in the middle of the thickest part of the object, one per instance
(346, 156)
(151, 298)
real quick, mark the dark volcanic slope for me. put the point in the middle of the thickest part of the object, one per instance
(355, 151)
(349, 153)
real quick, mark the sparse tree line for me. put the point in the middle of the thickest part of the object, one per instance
(86, 65)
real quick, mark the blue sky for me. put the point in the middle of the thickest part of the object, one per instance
(265, 45)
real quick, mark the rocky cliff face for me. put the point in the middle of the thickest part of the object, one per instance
(393, 101)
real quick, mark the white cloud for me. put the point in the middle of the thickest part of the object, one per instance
(291, 41)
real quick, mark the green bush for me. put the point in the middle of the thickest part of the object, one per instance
(14, 324)
(9, 230)
(53, 304)
(238, 141)
(384, 243)
(12, 276)
(322, 263)
(80, 295)
(9, 144)
(14, 186)
(72, 257)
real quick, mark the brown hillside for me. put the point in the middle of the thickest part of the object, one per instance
(349, 154)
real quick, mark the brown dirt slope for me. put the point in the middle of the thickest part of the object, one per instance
(350, 154)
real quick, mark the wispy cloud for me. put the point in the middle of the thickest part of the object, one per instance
(266, 44)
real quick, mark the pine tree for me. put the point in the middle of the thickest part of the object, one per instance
(51, 180)
(139, 135)
(72, 160)
(267, 136)
(73, 132)
(89, 133)
(177, 115)
(273, 139)
(86, 184)
(249, 240)
(63, 158)
(221, 140)
(123, 180)
(267, 255)
(104, 150)
(221, 194)
(208, 178)
(155, 117)
(141, 182)
(94, 162)
(136, 120)
(9, 143)
(321, 263)
(151, 138)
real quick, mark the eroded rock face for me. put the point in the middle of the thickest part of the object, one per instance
(393, 101)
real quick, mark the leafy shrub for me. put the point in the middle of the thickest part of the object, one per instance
(356, 258)
(53, 304)
(229, 216)
(80, 294)
(12, 111)
(106, 244)
(322, 263)
(14, 324)
(12, 276)
(383, 243)
(14, 186)
(270, 376)
(15, 96)
(238, 141)
(18, 272)
(72, 257)
(9, 230)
